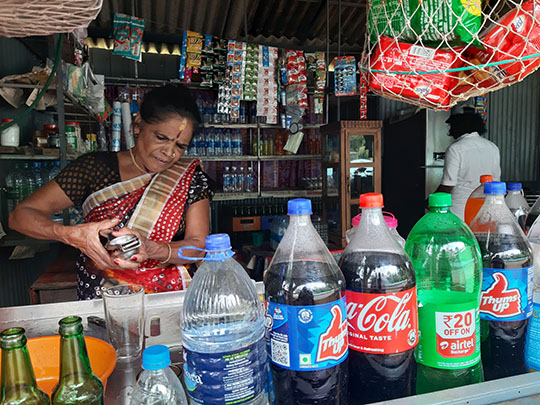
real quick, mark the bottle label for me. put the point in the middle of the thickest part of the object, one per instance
(382, 323)
(506, 294)
(307, 338)
(532, 346)
(449, 335)
(226, 378)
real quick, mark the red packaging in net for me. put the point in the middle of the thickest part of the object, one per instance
(430, 89)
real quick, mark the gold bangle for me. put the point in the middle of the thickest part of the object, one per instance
(170, 253)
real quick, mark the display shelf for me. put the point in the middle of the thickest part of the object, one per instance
(230, 126)
(9, 156)
(291, 193)
(232, 158)
(234, 196)
(17, 239)
(289, 157)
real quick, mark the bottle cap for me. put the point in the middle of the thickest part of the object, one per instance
(156, 357)
(440, 200)
(7, 119)
(495, 187)
(371, 200)
(218, 241)
(513, 186)
(389, 218)
(486, 178)
(299, 206)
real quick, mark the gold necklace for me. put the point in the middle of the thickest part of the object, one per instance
(135, 162)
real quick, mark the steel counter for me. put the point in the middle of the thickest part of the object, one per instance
(162, 326)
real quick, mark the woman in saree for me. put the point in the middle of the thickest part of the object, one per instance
(148, 191)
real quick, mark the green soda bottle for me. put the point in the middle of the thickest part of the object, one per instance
(18, 382)
(77, 384)
(448, 266)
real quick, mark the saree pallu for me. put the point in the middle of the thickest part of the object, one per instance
(153, 205)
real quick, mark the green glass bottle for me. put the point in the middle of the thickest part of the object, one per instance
(77, 383)
(18, 381)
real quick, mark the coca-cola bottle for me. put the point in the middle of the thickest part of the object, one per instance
(382, 310)
(306, 316)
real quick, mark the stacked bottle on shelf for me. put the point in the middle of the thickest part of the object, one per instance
(238, 179)
(216, 142)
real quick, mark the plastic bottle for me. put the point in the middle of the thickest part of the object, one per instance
(249, 180)
(55, 170)
(19, 385)
(10, 136)
(15, 187)
(29, 180)
(226, 179)
(507, 282)
(222, 323)
(381, 309)
(306, 313)
(210, 143)
(218, 142)
(232, 184)
(38, 175)
(476, 199)
(532, 345)
(391, 222)
(157, 384)
(235, 143)
(227, 143)
(77, 383)
(240, 180)
(517, 203)
(448, 266)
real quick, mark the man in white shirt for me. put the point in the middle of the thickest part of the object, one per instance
(469, 157)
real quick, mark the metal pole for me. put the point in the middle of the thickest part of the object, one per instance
(327, 51)
(339, 54)
(135, 66)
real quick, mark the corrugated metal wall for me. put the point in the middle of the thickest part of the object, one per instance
(513, 124)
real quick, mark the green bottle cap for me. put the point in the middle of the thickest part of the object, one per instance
(440, 200)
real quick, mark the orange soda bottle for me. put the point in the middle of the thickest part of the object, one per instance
(476, 199)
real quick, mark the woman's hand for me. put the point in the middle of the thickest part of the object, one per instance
(85, 237)
(137, 258)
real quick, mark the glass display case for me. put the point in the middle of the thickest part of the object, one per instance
(351, 165)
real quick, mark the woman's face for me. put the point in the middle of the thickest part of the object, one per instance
(160, 145)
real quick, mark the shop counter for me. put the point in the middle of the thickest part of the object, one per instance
(162, 326)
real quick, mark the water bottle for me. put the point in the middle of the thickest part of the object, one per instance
(476, 199)
(38, 175)
(517, 203)
(223, 331)
(227, 143)
(15, 187)
(235, 143)
(240, 178)
(532, 345)
(249, 180)
(232, 184)
(446, 258)
(226, 179)
(307, 316)
(218, 142)
(55, 170)
(29, 180)
(157, 384)
(507, 283)
(210, 143)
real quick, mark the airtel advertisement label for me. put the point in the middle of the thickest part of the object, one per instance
(382, 323)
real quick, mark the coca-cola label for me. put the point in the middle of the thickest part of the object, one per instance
(306, 338)
(382, 323)
(449, 329)
(506, 294)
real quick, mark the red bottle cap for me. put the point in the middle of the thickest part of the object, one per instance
(371, 200)
(7, 119)
(486, 178)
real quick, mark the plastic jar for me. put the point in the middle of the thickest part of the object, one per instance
(10, 136)
(71, 138)
(51, 130)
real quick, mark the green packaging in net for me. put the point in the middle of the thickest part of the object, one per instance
(389, 18)
(436, 20)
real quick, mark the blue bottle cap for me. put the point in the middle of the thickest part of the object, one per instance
(156, 357)
(495, 187)
(513, 186)
(218, 241)
(299, 206)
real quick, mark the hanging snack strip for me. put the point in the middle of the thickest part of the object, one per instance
(316, 65)
(296, 79)
(251, 73)
(345, 76)
(238, 51)
(267, 89)
(207, 62)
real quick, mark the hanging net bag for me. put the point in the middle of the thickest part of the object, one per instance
(436, 53)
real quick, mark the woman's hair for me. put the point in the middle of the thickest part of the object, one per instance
(160, 103)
